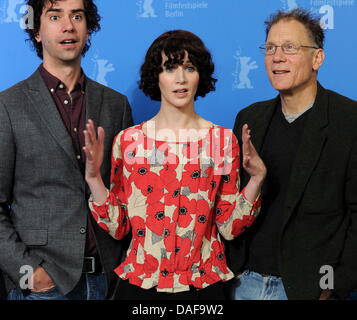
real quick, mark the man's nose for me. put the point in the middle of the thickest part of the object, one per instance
(279, 55)
(68, 25)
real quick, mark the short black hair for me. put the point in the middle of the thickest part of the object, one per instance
(174, 44)
(310, 21)
(90, 11)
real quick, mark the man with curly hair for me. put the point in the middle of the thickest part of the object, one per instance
(50, 248)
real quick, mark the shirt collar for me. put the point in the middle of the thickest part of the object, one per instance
(53, 83)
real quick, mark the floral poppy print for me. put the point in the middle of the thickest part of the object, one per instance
(151, 264)
(182, 250)
(191, 176)
(203, 218)
(173, 193)
(175, 198)
(168, 172)
(192, 151)
(155, 219)
(218, 256)
(184, 212)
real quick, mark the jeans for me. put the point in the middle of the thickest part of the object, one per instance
(253, 286)
(89, 287)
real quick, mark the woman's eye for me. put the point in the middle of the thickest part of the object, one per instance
(191, 68)
(169, 69)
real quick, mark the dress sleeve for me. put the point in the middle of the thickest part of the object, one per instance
(234, 213)
(112, 215)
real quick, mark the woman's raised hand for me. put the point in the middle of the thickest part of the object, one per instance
(94, 150)
(252, 163)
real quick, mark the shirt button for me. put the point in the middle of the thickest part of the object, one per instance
(78, 157)
(61, 86)
(52, 90)
(82, 230)
(65, 101)
(75, 129)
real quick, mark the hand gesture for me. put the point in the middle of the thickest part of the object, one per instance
(94, 150)
(41, 280)
(252, 163)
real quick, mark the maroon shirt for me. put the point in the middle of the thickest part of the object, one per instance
(72, 109)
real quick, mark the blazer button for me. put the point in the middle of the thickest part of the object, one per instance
(82, 230)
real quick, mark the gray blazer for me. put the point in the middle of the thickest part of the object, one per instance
(43, 194)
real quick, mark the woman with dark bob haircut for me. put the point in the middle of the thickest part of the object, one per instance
(174, 44)
(175, 182)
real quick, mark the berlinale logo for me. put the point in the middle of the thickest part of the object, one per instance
(146, 9)
(102, 68)
(243, 67)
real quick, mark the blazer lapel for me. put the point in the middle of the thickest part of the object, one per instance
(260, 123)
(43, 103)
(309, 150)
(94, 98)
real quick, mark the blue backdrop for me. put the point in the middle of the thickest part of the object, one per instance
(231, 29)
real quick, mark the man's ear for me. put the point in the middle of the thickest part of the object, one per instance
(319, 57)
(38, 37)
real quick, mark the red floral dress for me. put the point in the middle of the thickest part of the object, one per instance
(178, 199)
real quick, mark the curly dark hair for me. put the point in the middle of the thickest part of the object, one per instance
(311, 23)
(91, 14)
(174, 44)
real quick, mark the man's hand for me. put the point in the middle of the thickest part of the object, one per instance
(42, 282)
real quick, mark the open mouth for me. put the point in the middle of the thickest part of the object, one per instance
(278, 72)
(68, 42)
(181, 91)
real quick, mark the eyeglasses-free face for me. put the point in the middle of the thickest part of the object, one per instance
(178, 84)
(63, 32)
(290, 66)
